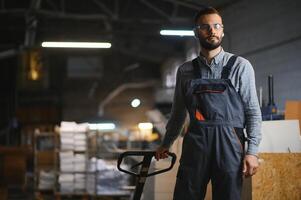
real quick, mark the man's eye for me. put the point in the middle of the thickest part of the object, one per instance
(217, 26)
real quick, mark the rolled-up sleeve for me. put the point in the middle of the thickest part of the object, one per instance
(178, 114)
(251, 106)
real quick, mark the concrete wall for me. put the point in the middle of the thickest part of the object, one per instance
(268, 33)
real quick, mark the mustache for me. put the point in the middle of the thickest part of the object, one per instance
(212, 36)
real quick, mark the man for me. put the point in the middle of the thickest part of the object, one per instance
(218, 91)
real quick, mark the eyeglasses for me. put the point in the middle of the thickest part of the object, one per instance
(207, 27)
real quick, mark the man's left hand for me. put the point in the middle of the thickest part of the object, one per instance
(251, 165)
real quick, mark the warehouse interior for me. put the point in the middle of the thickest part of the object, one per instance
(90, 105)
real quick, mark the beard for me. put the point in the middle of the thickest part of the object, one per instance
(210, 43)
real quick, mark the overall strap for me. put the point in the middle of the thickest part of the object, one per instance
(227, 68)
(196, 69)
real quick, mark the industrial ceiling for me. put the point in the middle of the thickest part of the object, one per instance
(132, 26)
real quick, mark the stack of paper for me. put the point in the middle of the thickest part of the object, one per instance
(66, 161)
(91, 183)
(66, 183)
(67, 130)
(80, 162)
(73, 139)
(46, 180)
(92, 164)
(80, 141)
(79, 182)
(67, 140)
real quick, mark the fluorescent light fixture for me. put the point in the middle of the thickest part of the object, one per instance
(145, 126)
(135, 103)
(97, 45)
(177, 32)
(102, 126)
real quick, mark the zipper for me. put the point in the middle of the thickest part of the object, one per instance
(238, 140)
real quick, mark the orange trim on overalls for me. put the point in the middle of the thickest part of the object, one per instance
(199, 116)
(213, 91)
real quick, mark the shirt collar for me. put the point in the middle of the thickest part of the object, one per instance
(216, 59)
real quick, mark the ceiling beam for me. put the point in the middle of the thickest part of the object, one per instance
(104, 8)
(116, 9)
(31, 23)
(50, 2)
(185, 4)
(154, 8)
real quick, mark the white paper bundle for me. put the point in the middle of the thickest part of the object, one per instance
(91, 184)
(92, 165)
(80, 143)
(67, 147)
(67, 167)
(79, 157)
(67, 134)
(80, 185)
(83, 127)
(66, 155)
(66, 161)
(67, 140)
(80, 181)
(46, 180)
(66, 178)
(78, 176)
(67, 126)
(67, 188)
(80, 136)
(80, 148)
(79, 167)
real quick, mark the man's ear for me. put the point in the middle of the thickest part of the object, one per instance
(223, 34)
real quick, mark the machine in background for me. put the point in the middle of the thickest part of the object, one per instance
(270, 111)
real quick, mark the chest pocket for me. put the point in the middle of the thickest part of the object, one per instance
(210, 88)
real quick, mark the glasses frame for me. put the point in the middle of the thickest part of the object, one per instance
(208, 27)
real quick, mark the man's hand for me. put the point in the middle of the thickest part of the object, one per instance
(251, 165)
(161, 153)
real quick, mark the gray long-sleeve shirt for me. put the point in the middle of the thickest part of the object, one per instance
(243, 79)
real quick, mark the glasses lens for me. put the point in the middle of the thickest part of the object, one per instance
(217, 26)
(206, 27)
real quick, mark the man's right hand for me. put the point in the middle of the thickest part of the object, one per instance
(161, 153)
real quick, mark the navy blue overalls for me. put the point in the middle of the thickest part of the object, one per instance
(213, 146)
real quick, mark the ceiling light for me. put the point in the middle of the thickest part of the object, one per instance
(97, 45)
(177, 32)
(135, 103)
(102, 126)
(145, 126)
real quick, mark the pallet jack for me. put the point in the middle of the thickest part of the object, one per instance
(145, 165)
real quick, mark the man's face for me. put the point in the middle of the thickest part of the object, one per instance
(210, 31)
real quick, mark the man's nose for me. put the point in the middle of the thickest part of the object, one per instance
(211, 29)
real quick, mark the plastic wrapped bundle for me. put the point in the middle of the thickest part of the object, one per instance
(109, 179)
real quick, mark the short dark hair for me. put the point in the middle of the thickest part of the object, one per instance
(205, 11)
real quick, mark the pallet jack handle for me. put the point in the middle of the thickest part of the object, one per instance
(143, 172)
(147, 156)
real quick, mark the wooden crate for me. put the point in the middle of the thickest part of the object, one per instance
(279, 177)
